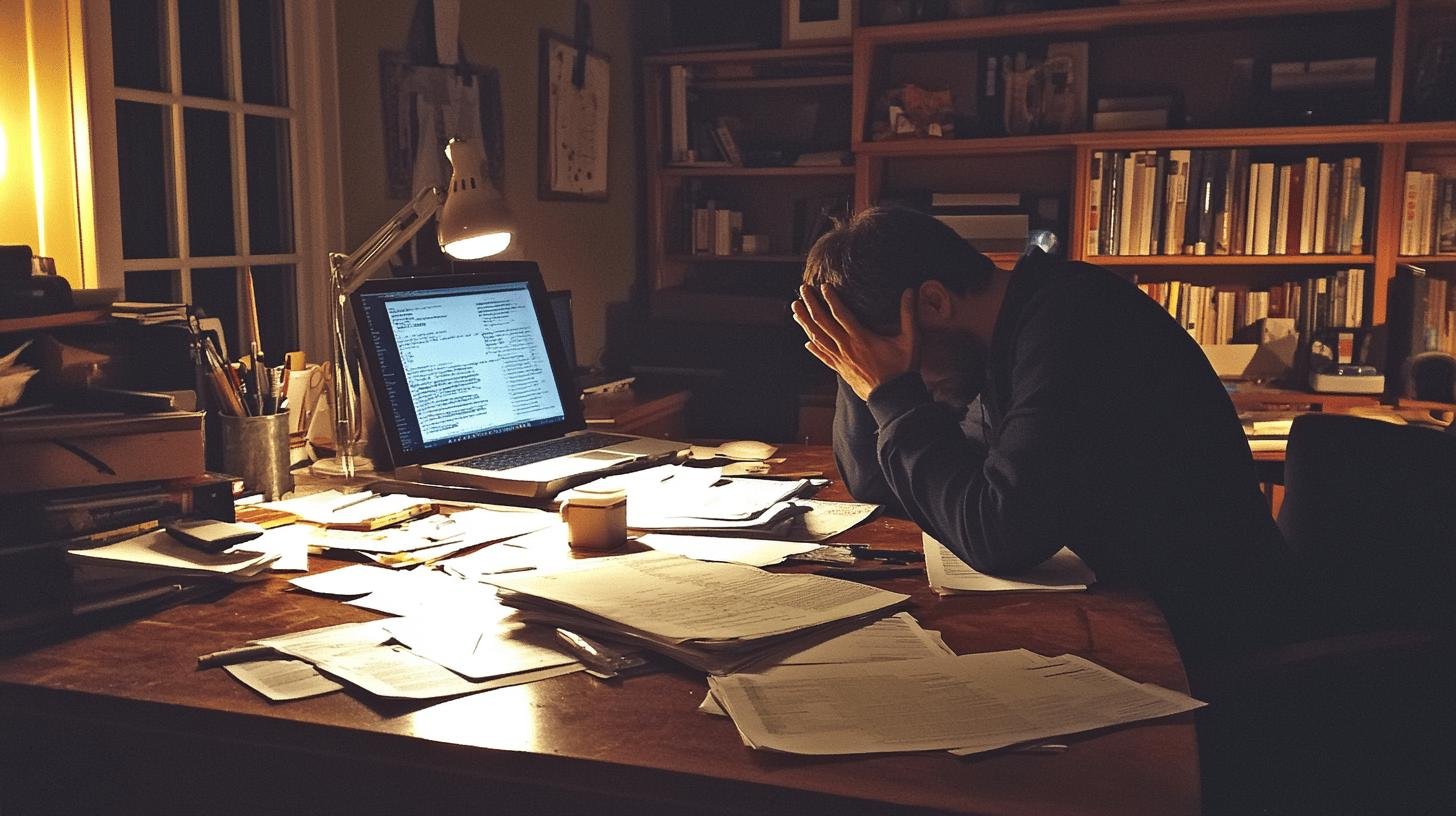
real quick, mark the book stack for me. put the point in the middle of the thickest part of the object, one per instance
(1428, 215)
(714, 617)
(1153, 112)
(148, 314)
(74, 481)
(1219, 202)
(992, 222)
(717, 230)
(1218, 315)
(1421, 316)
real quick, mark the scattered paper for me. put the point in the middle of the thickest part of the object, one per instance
(164, 554)
(479, 649)
(426, 591)
(289, 546)
(826, 519)
(755, 552)
(949, 575)
(398, 673)
(280, 680)
(316, 645)
(971, 703)
(345, 582)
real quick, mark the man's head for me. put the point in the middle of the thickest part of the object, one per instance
(881, 252)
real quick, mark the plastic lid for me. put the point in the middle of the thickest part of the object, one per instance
(595, 497)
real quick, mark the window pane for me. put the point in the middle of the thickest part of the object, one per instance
(137, 44)
(260, 26)
(273, 286)
(153, 286)
(199, 24)
(270, 205)
(215, 294)
(142, 136)
(209, 182)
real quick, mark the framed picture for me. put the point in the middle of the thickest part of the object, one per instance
(818, 22)
(574, 122)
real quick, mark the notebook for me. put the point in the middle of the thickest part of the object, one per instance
(473, 386)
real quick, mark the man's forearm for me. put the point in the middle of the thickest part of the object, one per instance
(854, 450)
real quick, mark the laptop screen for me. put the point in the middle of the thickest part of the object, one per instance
(461, 360)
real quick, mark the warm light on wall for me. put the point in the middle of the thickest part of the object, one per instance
(4, 153)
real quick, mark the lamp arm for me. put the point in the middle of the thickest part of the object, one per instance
(353, 269)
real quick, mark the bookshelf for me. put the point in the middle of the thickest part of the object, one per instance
(1213, 55)
(1187, 46)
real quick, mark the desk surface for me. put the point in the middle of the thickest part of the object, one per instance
(641, 740)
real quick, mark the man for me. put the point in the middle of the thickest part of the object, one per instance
(1013, 413)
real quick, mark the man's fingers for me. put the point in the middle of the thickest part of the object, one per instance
(838, 312)
(819, 354)
(806, 321)
(831, 329)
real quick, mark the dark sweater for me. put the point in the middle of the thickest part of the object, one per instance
(1101, 428)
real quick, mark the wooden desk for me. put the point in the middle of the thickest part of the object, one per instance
(119, 721)
(647, 410)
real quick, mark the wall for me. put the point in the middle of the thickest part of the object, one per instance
(41, 201)
(589, 248)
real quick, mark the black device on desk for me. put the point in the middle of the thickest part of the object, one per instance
(23, 294)
(1340, 362)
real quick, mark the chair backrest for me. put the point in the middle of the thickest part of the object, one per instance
(1370, 512)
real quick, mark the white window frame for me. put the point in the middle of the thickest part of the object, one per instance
(312, 78)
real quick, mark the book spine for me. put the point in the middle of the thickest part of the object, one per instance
(1159, 203)
(677, 80)
(1357, 231)
(1241, 201)
(1190, 219)
(1177, 202)
(1281, 229)
(1446, 242)
(1250, 204)
(1306, 220)
(1263, 208)
(1322, 208)
(1094, 206)
(1125, 236)
(1224, 223)
(1294, 216)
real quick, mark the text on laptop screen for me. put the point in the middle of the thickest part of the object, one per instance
(461, 363)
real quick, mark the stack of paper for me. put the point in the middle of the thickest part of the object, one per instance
(968, 704)
(714, 617)
(949, 575)
(159, 554)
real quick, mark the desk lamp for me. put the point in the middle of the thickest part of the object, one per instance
(474, 223)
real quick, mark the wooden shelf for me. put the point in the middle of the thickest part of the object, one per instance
(740, 258)
(775, 83)
(1088, 20)
(1425, 259)
(53, 321)
(685, 170)
(747, 55)
(1190, 138)
(1231, 260)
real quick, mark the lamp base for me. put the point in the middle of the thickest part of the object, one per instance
(335, 467)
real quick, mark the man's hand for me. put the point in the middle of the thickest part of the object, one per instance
(864, 359)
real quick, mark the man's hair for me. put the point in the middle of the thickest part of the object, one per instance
(880, 252)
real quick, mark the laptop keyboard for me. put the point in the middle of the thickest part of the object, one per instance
(540, 452)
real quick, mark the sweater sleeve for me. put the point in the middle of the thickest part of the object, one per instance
(854, 450)
(1003, 508)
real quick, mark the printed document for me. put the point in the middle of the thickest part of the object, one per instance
(679, 599)
(479, 649)
(755, 552)
(949, 575)
(973, 703)
(281, 680)
(397, 672)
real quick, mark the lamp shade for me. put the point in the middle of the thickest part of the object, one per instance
(475, 222)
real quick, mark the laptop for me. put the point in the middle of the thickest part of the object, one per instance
(473, 387)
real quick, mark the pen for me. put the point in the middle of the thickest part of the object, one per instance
(350, 500)
(241, 654)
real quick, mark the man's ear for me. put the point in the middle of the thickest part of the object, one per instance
(934, 308)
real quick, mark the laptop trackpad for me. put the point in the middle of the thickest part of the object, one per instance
(563, 466)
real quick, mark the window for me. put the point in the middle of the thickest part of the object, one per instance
(202, 112)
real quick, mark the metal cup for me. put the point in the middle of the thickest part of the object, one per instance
(256, 448)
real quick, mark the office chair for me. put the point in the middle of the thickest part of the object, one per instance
(1357, 717)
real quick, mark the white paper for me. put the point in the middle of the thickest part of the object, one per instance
(490, 560)
(315, 645)
(680, 599)
(280, 680)
(288, 544)
(479, 649)
(1063, 572)
(827, 519)
(755, 552)
(159, 551)
(971, 703)
(350, 581)
(423, 591)
(396, 672)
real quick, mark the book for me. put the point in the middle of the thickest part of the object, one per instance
(1446, 220)
(1093, 221)
(52, 451)
(62, 514)
(677, 104)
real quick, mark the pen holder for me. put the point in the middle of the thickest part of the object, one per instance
(595, 519)
(256, 448)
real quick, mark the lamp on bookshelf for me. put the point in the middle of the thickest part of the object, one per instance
(474, 223)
